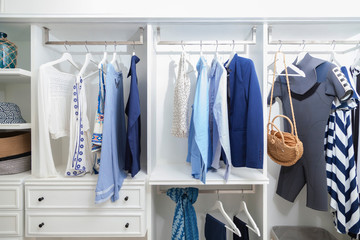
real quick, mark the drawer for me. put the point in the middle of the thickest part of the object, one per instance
(10, 197)
(11, 223)
(85, 225)
(55, 197)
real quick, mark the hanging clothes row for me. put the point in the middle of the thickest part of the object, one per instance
(227, 117)
(63, 110)
(323, 101)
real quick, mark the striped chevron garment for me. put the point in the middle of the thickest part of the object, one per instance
(341, 168)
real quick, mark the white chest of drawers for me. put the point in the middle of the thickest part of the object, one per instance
(64, 207)
(12, 205)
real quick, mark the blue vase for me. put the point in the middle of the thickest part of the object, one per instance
(8, 52)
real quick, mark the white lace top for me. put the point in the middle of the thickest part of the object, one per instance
(54, 101)
(180, 124)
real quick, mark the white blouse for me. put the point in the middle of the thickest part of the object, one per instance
(54, 101)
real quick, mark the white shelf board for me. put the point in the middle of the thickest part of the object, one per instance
(86, 179)
(180, 174)
(14, 75)
(17, 126)
(14, 178)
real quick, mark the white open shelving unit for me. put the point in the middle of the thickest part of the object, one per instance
(163, 156)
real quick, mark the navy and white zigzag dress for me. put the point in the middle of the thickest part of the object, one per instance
(341, 168)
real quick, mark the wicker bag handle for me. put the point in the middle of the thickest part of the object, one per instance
(278, 130)
(288, 87)
(272, 124)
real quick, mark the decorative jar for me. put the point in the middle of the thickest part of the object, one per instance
(8, 52)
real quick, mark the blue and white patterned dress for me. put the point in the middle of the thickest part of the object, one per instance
(79, 159)
(99, 122)
(341, 168)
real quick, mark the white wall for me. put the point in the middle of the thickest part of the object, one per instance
(188, 8)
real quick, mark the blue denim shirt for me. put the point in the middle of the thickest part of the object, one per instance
(198, 142)
(219, 116)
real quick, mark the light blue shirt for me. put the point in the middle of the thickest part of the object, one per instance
(219, 118)
(198, 142)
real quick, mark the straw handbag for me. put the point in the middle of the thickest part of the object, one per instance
(283, 148)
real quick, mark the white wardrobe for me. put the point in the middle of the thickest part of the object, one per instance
(63, 207)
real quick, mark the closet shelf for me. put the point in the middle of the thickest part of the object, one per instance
(17, 126)
(180, 174)
(84, 180)
(14, 75)
(14, 179)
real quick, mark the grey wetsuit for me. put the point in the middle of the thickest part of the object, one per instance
(312, 97)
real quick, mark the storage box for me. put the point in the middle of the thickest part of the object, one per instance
(300, 233)
(15, 152)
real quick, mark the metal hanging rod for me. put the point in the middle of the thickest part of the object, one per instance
(213, 43)
(218, 191)
(309, 42)
(139, 42)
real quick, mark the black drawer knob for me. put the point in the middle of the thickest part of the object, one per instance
(41, 225)
(127, 225)
(126, 198)
(40, 199)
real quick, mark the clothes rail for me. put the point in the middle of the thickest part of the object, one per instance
(313, 42)
(213, 43)
(138, 42)
(309, 42)
(218, 191)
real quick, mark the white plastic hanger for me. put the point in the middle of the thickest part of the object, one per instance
(253, 227)
(216, 50)
(189, 68)
(232, 54)
(219, 206)
(301, 54)
(104, 59)
(114, 61)
(334, 60)
(333, 56)
(201, 51)
(88, 59)
(133, 48)
(65, 57)
(298, 72)
(356, 62)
